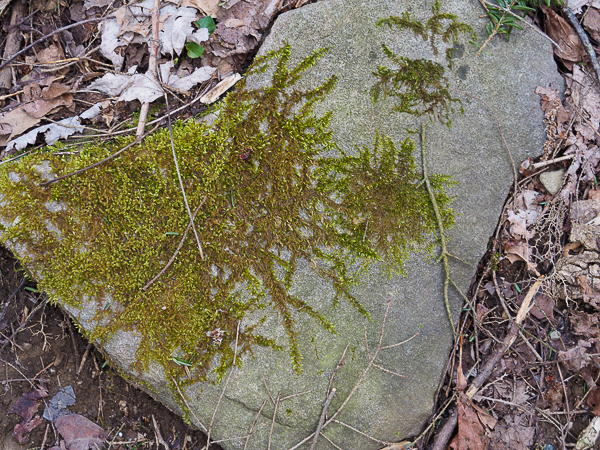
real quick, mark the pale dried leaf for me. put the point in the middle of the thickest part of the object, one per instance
(576, 5)
(216, 92)
(186, 83)
(176, 30)
(576, 358)
(55, 131)
(112, 84)
(208, 7)
(141, 87)
(55, 90)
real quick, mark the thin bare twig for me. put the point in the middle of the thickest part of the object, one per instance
(444, 250)
(254, 423)
(584, 39)
(151, 66)
(273, 421)
(212, 420)
(185, 200)
(187, 230)
(322, 418)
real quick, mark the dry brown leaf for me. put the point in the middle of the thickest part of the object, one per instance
(208, 7)
(576, 358)
(564, 34)
(39, 108)
(19, 121)
(543, 307)
(584, 324)
(50, 54)
(594, 194)
(591, 23)
(520, 251)
(593, 400)
(80, 433)
(54, 90)
(471, 433)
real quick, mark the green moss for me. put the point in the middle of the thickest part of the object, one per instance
(419, 85)
(271, 198)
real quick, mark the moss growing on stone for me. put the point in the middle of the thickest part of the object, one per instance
(419, 85)
(275, 189)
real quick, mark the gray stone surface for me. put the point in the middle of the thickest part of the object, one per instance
(385, 406)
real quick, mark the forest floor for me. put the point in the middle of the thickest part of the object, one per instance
(541, 393)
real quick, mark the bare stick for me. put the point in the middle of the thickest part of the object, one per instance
(551, 161)
(508, 340)
(84, 358)
(444, 435)
(212, 420)
(267, 388)
(358, 383)
(338, 367)
(187, 230)
(13, 41)
(440, 223)
(99, 163)
(362, 434)
(254, 423)
(75, 352)
(43, 38)
(322, 418)
(151, 65)
(273, 421)
(187, 205)
(159, 438)
(187, 404)
(584, 39)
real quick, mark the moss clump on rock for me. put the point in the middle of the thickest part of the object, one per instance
(419, 85)
(275, 189)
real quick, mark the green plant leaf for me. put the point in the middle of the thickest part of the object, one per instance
(208, 23)
(194, 50)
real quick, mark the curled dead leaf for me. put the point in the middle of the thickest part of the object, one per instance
(564, 34)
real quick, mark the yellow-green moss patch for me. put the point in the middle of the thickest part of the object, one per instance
(276, 190)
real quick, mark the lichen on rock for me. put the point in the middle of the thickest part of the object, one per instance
(275, 189)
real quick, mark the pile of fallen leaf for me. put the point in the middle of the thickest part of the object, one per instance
(91, 64)
(525, 370)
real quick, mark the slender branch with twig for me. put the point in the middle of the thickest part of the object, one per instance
(444, 249)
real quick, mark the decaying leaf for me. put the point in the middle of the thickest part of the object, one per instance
(208, 7)
(564, 34)
(512, 434)
(241, 26)
(584, 324)
(576, 5)
(591, 23)
(19, 121)
(80, 433)
(576, 358)
(543, 307)
(471, 432)
(26, 407)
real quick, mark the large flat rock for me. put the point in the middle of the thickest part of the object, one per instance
(385, 406)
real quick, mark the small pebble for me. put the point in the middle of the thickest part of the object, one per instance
(554, 335)
(552, 181)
